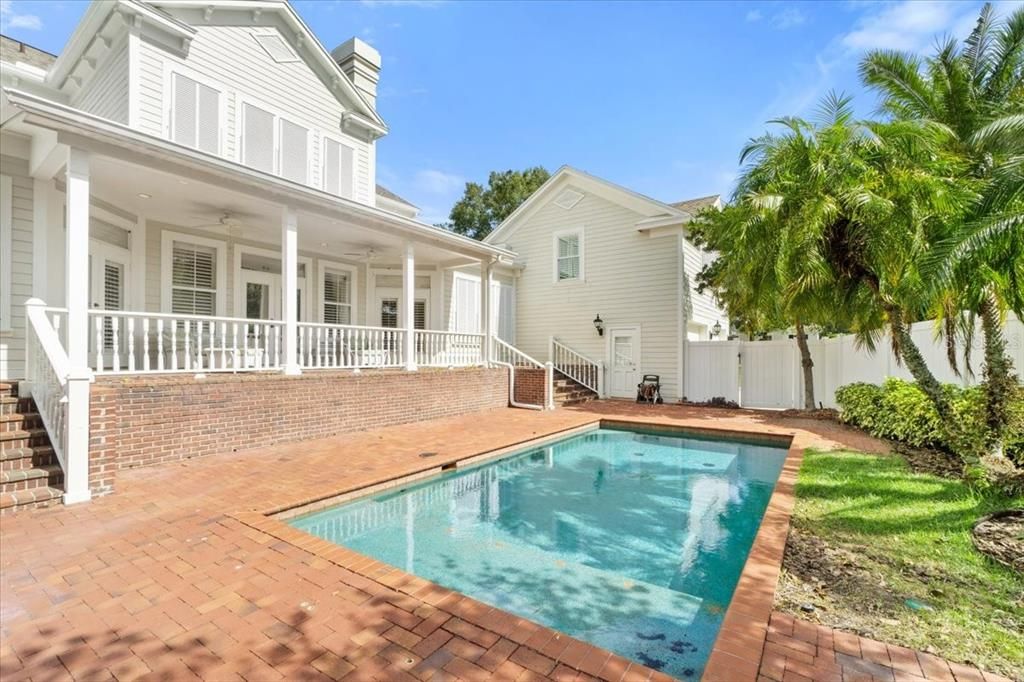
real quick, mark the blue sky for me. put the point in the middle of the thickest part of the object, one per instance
(658, 97)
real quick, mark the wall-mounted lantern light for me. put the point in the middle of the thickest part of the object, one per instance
(716, 329)
(599, 325)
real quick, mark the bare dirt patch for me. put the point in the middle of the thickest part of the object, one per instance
(1001, 536)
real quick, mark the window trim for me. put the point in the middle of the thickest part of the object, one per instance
(353, 294)
(171, 68)
(323, 164)
(241, 100)
(6, 250)
(167, 239)
(579, 233)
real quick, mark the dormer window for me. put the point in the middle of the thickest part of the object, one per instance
(195, 113)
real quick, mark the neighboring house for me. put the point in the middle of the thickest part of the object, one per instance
(191, 186)
(585, 248)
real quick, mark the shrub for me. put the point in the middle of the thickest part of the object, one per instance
(900, 411)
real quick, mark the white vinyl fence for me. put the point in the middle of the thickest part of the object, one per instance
(767, 374)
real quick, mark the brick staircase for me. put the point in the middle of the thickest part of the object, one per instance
(30, 475)
(569, 392)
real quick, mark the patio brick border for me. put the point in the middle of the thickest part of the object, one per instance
(735, 656)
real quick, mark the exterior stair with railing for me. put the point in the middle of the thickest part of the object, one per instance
(569, 392)
(30, 475)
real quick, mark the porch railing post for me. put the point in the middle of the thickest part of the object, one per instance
(290, 275)
(486, 274)
(76, 476)
(549, 385)
(408, 305)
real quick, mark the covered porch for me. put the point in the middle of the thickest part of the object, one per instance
(156, 259)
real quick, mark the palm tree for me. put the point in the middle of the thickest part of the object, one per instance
(977, 94)
(858, 204)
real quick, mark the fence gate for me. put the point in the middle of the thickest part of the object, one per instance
(770, 370)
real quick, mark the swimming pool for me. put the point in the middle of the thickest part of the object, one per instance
(630, 540)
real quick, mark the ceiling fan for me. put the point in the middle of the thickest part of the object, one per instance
(367, 255)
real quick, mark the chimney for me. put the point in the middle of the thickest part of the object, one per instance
(361, 63)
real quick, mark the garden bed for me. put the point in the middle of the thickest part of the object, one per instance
(881, 550)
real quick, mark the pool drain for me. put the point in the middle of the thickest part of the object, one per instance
(428, 454)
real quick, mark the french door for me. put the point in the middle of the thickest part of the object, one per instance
(260, 296)
(108, 289)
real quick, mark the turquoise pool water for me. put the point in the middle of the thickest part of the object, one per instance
(631, 541)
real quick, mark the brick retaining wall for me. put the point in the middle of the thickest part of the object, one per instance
(140, 421)
(529, 386)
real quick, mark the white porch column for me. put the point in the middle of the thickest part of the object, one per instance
(76, 281)
(289, 288)
(486, 275)
(408, 305)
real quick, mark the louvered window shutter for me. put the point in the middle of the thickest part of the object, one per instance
(337, 307)
(419, 313)
(294, 152)
(184, 114)
(339, 160)
(258, 138)
(195, 115)
(193, 279)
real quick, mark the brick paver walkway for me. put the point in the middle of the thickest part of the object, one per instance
(163, 581)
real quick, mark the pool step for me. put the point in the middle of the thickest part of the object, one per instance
(30, 475)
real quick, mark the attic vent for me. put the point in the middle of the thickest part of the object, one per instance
(276, 47)
(568, 199)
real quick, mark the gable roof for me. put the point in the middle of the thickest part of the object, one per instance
(383, 191)
(158, 13)
(655, 213)
(694, 206)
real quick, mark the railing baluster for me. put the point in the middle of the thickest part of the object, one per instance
(130, 334)
(99, 343)
(145, 344)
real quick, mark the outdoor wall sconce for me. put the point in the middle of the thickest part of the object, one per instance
(599, 325)
(717, 329)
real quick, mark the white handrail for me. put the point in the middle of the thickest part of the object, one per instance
(342, 346)
(576, 366)
(448, 349)
(503, 353)
(47, 373)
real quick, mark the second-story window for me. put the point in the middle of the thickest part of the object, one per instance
(195, 114)
(274, 144)
(339, 168)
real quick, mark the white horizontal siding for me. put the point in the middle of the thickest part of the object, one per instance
(631, 279)
(703, 307)
(106, 93)
(229, 55)
(12, 343)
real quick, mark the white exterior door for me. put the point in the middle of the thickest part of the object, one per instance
(261, 296)
(624, 366)
(108, 282)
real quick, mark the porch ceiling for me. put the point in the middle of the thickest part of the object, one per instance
(186, 202)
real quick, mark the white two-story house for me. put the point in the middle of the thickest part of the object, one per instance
(189, 187)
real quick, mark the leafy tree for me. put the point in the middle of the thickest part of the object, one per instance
(858, 204)
(481, 209)
(975, 93)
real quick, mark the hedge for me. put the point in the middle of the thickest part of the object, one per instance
(900, 411)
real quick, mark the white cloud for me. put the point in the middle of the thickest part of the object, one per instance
(432, 181)
(910, 25)
(10, 18)
(788, 18)
(754, 15)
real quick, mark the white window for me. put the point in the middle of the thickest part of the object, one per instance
(337, 290)
(274, 144)
(6, 250)
(193, 275)
(568, 256)
(195, 116)
(193, 279)
(389, 313)
(339, 168)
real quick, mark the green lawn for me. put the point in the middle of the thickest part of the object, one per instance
(889, 535)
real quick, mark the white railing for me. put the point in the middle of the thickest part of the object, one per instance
(324, 346)
(577, 366)
(47, 370)
(509, 354)
(448, 349)
(125, 342)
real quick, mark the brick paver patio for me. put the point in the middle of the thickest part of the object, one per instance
(167, 579)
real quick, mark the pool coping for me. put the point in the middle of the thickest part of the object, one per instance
(736, 653)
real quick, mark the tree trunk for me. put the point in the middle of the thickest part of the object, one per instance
(911, 356)
(998, 377)
(807, 363)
